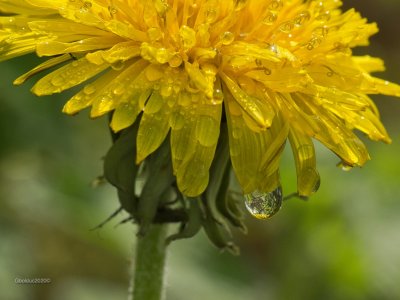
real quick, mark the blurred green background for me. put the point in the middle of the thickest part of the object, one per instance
(344, 243)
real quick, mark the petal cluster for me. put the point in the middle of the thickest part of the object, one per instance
(274, 70)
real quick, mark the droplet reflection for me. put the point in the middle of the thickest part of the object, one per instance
(264, 205)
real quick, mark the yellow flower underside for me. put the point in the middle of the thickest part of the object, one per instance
(278, 69)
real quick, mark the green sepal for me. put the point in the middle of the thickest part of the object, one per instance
(193, 225)
(158, 182)
(229, 206)
(120, 168)
(218, 234)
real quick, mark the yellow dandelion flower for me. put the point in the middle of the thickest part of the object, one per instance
(273, 70)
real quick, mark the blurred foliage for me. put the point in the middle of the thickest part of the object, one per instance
(341, 244)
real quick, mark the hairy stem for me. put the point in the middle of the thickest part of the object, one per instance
(149, 264)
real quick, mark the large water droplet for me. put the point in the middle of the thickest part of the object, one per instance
(264, 205)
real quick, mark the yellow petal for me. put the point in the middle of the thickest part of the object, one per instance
(260, 112)
(22, 7)
(308, 179)
(51, 48)
(42, 67)
(193, 174)
(86, 96)
(369, 64)
(124, 87)
(255, 155)
(194, 139)
(154, 126)
(67, 76)
(126, 112)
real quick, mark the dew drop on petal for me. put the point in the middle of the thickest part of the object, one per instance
(227, 38)
(211, 15)
(267, 71)
(119, 65)
(112, 9)
(270, 18)
(324, 16)
(302, 18)
(218, 97)
(119, 89)
(89, 89)
(275, 5)
(320, 31)
(264, 205)
(86, 6)
(287, 27)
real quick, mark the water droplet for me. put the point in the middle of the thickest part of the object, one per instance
(313, 43)
(166, 90)
(211, 15)
(324, 16)
(57, 81)
(286, 27)
(188, 36)
(267, 71)
(162, 55)
(345, 166)
(273, 48)
(264, 205)
(320, 31)
(217, 97)
(86, 6)
(227, 38)
(302, 18)
(275, 5)
(112, 9)
(119, 65)
(259, 62)
(119, 89)
(175, 61)
(270, 18)
(89, 89)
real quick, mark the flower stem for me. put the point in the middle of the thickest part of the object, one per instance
(148, 278)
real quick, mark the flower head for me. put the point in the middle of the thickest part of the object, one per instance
(273, 70)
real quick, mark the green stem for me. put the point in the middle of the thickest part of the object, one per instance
(149, 265)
